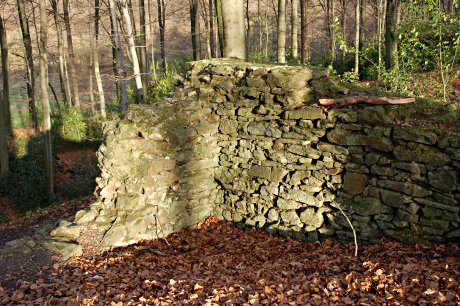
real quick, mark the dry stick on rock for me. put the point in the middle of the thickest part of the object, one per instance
(365, 99)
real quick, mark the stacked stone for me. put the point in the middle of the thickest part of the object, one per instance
(157, 174)
(246, 143)
(286, 166)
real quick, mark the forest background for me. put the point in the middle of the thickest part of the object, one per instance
(102, 55)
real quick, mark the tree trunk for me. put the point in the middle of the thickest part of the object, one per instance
(303, 31)
(121, 77)
(220, 27)
(362, 16)
(380, 23)
(344, 27)
(332, 29)
(143, 48)
(248, 28)
(211, 29)
(97, 73)
(132, 49)
(294, 26)
(62, 75)
(162, 24)
(24, 21)
(391, 52)
(4, 160)
(6, 77)
(281, 42)
(195, 28)
(357, 34)
(73, 72)
(45, 99)
(234, 30)
(259, 22)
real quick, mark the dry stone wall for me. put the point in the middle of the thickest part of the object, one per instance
(246, 143)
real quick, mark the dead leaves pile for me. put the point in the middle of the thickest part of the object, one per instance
(218, 264)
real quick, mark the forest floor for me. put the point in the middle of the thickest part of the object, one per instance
(219, 264)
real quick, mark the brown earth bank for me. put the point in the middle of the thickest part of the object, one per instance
(74, 173)
(219, 264)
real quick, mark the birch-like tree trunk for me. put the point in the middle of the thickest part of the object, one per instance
(45, 99)
(195, 28)
(120, 76)
(6, 76)
(28, 57)
(97, 72)
(357, 34)
(281, 32)
(294, 28)
(132, 49)
(71, 53)
(234, 29)
(65, 88)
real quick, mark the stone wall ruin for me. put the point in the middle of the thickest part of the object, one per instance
(247, 143)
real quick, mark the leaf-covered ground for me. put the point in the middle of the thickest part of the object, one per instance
(218, 264)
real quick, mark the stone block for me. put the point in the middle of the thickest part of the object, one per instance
(443, 180)
(354, 183)
(415, 135)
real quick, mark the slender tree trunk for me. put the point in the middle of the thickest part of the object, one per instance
(195, 28)
(62, 75)
(248, 28)
(143, 48)
(267, 33)
(259, 23)
(211, 29)
(234, 30)
(362, 16)
(294, 26)
(344, 27)
(132, 48)
(6, 77)
(4, 160)
(357, 34)
(303, 32)
(381, 21)
(114, 56)
(161, 25)
(281, 31)
(332, 24)
(90, 80)
(73, 72)
(120, 76)
(391, 50)
(5, 113)
(220, 26)
(97, 73)
(24, 21)
(45, 99)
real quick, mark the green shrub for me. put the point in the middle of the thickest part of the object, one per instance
(163, 85)
(72, 126)
(24, 185)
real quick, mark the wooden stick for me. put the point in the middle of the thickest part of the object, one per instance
(365, 99)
